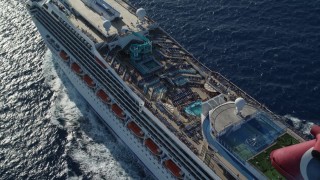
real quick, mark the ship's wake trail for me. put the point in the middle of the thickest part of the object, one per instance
(299, 124)
(94, 151)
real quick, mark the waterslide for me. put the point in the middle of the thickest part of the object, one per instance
(138, 49)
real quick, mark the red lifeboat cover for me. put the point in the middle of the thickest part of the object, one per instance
(152, 146)
(76, 68)
(64, 55)
(175, 170)
(135, 129)
(118, 111)
(88, 81)
(103, 96)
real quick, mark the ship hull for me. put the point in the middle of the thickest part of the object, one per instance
(147, 159)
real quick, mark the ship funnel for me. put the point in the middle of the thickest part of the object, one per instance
(240, 103)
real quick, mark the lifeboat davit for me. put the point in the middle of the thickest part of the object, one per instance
(89, 81)
(103, 96)
(135, 129)
(64, 55)
(173, 168)
(76, 68)
(153, 147)
(100, 63)
(118, 111)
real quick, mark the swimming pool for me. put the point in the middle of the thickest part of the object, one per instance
(252, 137)
(194, 109)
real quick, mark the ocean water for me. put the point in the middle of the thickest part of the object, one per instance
(270, 48)
(47, 130)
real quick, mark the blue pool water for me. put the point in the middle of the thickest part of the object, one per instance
(194, 109)
(252, 137)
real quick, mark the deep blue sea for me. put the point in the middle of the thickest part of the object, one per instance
(269, 48)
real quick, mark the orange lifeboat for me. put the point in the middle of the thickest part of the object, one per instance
(152, 147)
(135, 129)
(174, 169)
(89, 81)
(103, 96)
(64, 55)
(100, 63)
(76, 68)
(118, 111)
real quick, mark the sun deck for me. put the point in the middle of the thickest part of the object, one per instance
(225, 115)
(176, 79)
(169, 80)
(173, 91)
(91, 22)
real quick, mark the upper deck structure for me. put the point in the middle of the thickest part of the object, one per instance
(99, 19)
(156, 87)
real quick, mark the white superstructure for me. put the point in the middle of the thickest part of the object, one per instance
(141, 82)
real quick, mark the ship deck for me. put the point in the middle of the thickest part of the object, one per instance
(168, 100)
(90, 22)
(170, 81)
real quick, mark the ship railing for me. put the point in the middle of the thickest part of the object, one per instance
(222, 76)
(81, 47)
(74, 50)
(132, 9)
(155, 129)
(235, 88)
(209, 71)
(116, 91)
(160, 137)
(81, 51)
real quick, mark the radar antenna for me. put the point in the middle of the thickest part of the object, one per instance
(240, 103)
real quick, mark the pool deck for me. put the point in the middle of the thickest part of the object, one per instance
(190, 108)
(225, 116)
(224, 157)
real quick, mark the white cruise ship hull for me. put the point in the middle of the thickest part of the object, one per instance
(151, 162)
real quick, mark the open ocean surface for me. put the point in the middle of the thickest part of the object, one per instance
(269, 48)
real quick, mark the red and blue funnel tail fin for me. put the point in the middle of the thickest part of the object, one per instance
(315, 130)
(316, 148)
(287, 160)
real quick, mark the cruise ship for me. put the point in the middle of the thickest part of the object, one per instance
(181, 119)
